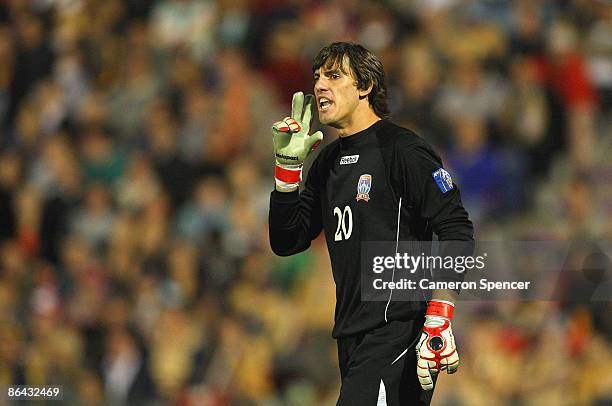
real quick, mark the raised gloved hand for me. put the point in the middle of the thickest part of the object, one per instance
(436, 349)
(292, 144)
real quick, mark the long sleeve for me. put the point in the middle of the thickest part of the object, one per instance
(432, 193)
(295, 218)
(436, 199)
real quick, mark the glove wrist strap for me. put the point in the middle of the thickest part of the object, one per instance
(440, 308)
(288, 174)
(286, 187)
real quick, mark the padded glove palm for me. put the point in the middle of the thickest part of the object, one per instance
(436, 349)
(292, 144)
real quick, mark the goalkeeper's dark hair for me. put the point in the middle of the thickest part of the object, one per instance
(365, 67)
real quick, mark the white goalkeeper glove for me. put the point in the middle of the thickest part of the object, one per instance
(436, 349)
(292, 144)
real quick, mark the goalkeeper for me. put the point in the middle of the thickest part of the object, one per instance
(377, 182)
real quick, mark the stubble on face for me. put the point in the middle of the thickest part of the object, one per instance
(335, 99)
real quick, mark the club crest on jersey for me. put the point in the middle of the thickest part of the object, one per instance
(363, 187)
(443, 179)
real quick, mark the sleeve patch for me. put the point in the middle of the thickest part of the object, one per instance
(443, 179)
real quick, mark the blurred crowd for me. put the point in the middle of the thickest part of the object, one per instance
(136, 166)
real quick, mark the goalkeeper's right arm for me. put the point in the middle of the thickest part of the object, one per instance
(294, 218)
(292, 144)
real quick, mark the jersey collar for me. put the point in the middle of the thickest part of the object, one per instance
(360, 136)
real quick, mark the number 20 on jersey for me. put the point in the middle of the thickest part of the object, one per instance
(345, 223)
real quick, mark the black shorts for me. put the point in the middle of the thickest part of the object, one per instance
(378, 368)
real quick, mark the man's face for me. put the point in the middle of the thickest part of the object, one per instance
(336, 94)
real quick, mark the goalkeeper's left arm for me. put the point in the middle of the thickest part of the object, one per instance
(429, 189)
(436, 349)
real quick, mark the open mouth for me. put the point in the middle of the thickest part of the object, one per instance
(324, 104)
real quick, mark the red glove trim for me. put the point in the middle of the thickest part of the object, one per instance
(288, 175)
(439, 308)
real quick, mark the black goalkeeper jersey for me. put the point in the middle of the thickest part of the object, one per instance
(353, 193)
